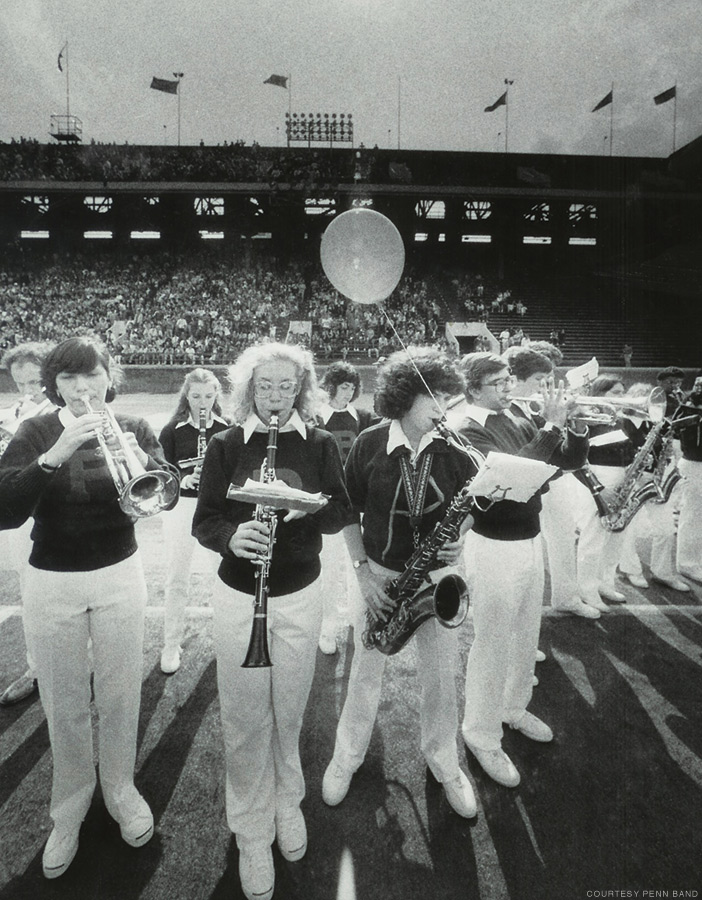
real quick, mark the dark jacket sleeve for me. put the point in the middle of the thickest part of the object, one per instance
(216, 518)
(22, 481)
(337, 512)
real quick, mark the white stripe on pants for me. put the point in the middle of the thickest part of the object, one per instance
(262, 708)
(437, 661)
(180, 546)
(61, 611)
(506, 585)
(689, 524)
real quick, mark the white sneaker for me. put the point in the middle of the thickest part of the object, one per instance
(336, 783)
(637, 580)
(59, 852)
(460, 795)
(533, 728)
(578, 607)
(291, 833)
(138, 828)
(677, 584)
(170, 660)
(497, 765)
(327, 643)
(540, 656)
(256, 872)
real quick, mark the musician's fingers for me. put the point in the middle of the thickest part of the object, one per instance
(293, 514)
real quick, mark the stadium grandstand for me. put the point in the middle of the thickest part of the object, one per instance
(180, 255)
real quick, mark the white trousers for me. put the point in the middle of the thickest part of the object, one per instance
(506, 586)
(689, 554)
(180, 546)
(334, 583)
(558, 530)
(61, 611)
(599, 550)
(262, 708)
(657, 521)
(437, 662)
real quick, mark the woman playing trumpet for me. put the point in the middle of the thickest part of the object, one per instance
(198, 416)
(262, 706)
(84, 580)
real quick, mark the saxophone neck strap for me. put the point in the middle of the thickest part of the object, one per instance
(415, 484)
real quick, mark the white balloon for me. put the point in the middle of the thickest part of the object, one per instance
(363, 255)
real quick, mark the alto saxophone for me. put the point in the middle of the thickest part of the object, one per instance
(415, 598)
(633, 492)
(257, 655)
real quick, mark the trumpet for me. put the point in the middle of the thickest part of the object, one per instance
(606, 410)
(141, 493)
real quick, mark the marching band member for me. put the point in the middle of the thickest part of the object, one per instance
(689, 553)
(531, 371)
(671, 380)
(262, 707)
(401, 476)
(505, 565)
(655, 521)
(23, 363)
(84, 580)
(342, 384)
(197, 417)
(612, 450)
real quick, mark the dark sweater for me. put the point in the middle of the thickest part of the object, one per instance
(346, 428)
(78, 522)
(691, 435)
(376, 489)
(508, 520)
(312, 464)
(179, 441)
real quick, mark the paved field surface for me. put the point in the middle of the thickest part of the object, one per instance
(613, 805)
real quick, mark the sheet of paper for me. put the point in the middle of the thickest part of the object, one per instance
(506, 477)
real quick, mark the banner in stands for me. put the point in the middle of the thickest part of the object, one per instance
(468, 337)
(299, 332)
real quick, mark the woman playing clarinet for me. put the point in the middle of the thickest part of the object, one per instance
(197, 417)
(274, 389)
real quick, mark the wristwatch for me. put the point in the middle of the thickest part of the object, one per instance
(357, 563)
(44, 466)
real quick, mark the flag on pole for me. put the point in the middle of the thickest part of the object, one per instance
(60, 57)
(665, 96)
(605, 101)
(501, 101)
(163, 84)
(277, 80)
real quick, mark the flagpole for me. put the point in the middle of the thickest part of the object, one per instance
(68, 95)
(611, 122)
(399, 109)
(508, 82)
(675, 112)
(178, 76)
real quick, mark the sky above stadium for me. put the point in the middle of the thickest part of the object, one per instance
(425, 68)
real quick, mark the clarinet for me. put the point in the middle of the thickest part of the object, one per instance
(257, 656)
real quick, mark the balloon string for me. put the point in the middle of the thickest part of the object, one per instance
(409, 355)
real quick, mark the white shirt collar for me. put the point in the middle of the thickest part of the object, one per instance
(478, 413)
(326, 411)
(397, 438)
(294, 423)
(196, 426)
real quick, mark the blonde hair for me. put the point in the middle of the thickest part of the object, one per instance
(242, 371)
(197, 376)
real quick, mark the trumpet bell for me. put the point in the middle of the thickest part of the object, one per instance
(363, 255)
(149, 493)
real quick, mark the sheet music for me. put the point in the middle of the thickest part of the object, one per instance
(506, 477)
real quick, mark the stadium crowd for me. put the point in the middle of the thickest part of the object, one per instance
(196, 309)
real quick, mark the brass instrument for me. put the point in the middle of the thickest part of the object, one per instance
(606, 410)
(416, 599)
(257, 655)
(141, 493)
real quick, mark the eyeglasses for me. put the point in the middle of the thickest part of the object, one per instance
(500, 384)
(285, 389)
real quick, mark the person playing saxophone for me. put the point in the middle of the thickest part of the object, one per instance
(262, 706)
(401, 476)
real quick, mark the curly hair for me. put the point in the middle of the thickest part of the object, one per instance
(476, 366)
(241, 375)
(600, 386)
(341, 373)
(31, 351)
(197, 376)
(80, 354)
(407, 374)
(525, 362)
